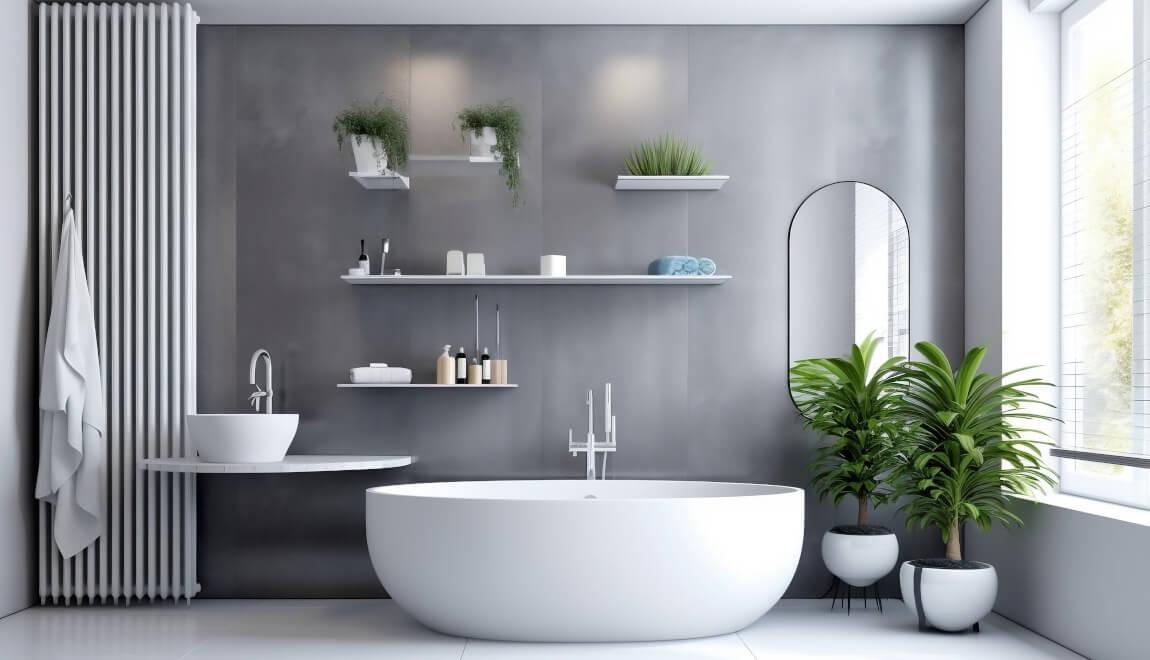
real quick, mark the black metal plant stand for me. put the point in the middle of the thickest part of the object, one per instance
(845, 600)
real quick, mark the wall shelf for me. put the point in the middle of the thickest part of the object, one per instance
(454, 165)
(712, 182)
(290, 463)
(423, 386)
(373, 181)
(480, 280)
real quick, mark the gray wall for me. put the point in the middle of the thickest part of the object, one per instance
(700, 374)
(17, 330)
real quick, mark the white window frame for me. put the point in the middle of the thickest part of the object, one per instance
(1133, 488)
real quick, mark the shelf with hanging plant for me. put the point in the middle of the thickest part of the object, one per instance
(378, 136)
(493, 132)
(668, 163)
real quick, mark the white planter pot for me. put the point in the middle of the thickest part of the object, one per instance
(370, 156)
(951, 598)
(482, 142)
(859, 560)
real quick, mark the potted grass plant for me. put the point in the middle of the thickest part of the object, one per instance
(854, 406)
(493, 130)
(973, 447)
(667, 156)
(378, 136)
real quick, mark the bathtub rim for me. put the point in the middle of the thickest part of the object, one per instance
(399, 491)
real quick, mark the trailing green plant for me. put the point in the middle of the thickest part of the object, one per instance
(973, 443)
(667, 156)
(380, 120)
(857, 410)
(505, 119)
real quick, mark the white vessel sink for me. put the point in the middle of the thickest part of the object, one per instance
(242, 438)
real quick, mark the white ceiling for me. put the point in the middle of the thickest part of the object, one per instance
(586, 12)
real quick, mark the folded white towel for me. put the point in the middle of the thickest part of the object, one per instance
(380, 375)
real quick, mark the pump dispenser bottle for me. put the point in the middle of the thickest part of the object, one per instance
(445, 367)
(485, 363)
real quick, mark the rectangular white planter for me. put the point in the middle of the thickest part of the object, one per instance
(710, 182)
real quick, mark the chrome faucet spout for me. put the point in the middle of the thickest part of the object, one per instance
(261, 393)
(591, 446)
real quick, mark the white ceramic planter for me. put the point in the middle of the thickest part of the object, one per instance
(370, 156)
(952, 599)
(859, 560)
(482, 142)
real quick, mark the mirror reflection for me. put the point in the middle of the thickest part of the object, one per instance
(849, 261)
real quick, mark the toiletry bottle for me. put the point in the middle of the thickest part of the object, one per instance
(461, 367)
(474, 373)
(385, 247)
(445, 367)
(485, 362)
(364, 262)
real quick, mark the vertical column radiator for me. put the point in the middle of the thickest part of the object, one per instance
(117, 131)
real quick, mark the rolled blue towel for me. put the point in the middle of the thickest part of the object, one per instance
(707, 266)
(676, 265)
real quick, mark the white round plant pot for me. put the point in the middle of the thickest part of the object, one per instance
(481, 142)
(860, 555)
(370, 156)
(948, 595)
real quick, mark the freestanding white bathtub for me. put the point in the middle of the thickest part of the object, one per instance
(585, 561)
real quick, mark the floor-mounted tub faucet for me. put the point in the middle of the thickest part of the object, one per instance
(590, 447)
(259, 394)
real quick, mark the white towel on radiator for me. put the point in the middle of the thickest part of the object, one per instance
(71, 474)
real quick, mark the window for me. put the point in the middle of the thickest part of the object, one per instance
(1105, 259)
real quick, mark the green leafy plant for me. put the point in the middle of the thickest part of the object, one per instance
(507, 122)
(973, 445)
(857, 410)
(380, 120)
(667, 156)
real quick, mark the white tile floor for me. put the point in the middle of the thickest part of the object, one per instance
(337, 629)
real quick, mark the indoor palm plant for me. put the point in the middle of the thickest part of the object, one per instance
(973, 447)
(494, 131)
(378, 135)
(667, 156)
(855, 407)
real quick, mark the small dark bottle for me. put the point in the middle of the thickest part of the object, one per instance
(486, 362)
(364, 262)
(461, 367)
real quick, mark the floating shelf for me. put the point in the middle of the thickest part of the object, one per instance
(452, 165)
(373, 181)
(423, 386)
(670, 182)
(448, 280)
(290, 463)
(475, 160)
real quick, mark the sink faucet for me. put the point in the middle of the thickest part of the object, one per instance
(590, 447)
(260, 393)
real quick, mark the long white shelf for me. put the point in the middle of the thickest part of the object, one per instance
(711, 182)
(423, 386)
(665, 280)
(290, 463)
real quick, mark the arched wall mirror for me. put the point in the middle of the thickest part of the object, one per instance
(849, 273)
